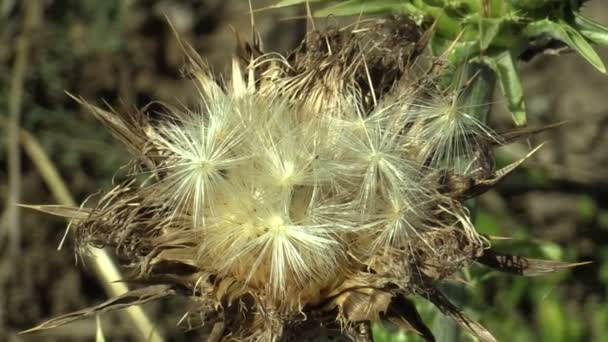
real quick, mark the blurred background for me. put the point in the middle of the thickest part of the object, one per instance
(122, 53)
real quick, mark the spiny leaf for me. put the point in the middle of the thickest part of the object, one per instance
(523, 266)
(488, 30)
(529, 5)
(477, 97)
(504, 66)
(563, 31)
(61, 210)
(447, 308)
(591, 30)
(475, 187)
(455, 52)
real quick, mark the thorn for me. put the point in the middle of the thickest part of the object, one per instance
(511, 136)
(477, 187)
(528, 267)
(60, 210)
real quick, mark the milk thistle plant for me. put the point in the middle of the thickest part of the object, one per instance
(489, 35)
(308, 195)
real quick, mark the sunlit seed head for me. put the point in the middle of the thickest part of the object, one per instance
(283, 196)
(199, 150)
(447, 135)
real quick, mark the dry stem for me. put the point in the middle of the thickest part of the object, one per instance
(31, 20)
(104, 266)
(11, 217)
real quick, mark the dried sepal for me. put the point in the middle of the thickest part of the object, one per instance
(528, 267)
(130, 128)
(134, 297)
(403, 313)
(61, 210)
(464, 187)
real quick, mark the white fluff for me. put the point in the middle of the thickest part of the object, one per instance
(281, 194)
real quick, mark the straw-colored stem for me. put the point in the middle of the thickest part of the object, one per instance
(15, 100)
(104, 266)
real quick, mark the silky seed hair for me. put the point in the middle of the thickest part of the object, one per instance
(259, 176)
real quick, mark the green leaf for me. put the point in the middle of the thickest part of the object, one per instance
(569, 35)
(285, 3)
(603, 219)
(591, 30)
(586, 208)
(551, 250)
(487, 223)
(504, 66)
(444, 327)
(488, 29)
(477, 97)
(436, 3)
(530, 5)
(459, 53)
(552, 321)
(357, 7)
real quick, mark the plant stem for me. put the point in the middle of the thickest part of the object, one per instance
(15, 101)
(104, 266)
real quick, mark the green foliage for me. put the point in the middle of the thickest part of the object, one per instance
(503, 64)
(528, 309)
(490, 36)
(586, 208)
(499, 31)
(74, 31)
(568, 34)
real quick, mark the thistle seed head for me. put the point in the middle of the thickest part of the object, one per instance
(307, 189)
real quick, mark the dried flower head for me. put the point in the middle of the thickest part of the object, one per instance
(308, 194)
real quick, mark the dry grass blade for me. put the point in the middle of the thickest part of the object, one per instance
(126, 128)
(105, 268)
(15, 100)
(47, 170)
(524, 266)
(60, 210)
(135, 297)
